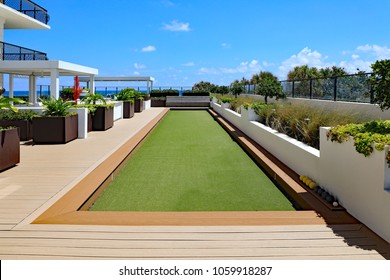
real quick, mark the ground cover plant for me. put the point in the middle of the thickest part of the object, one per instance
(367, 136)
(189, 163)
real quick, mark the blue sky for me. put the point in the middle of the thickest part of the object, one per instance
(182, 42)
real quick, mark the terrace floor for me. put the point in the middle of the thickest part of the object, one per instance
(48, 172)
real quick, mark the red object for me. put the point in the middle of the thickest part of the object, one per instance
(76, 89)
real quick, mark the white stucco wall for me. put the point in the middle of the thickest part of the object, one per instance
(361, 184)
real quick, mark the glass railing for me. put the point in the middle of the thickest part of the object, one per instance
(28, 8)
(14, 52)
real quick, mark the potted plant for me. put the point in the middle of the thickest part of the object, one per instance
(138, 102)
(9, 147)
(103, 117)
(127, 96)
(9, 139)
(56, 125)
(21, 119)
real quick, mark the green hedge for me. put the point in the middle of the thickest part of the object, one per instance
(196, 93)
(164, 93)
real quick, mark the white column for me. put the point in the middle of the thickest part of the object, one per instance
(11, 85)
(2, 21)
(55, 83)
(32, 89)
(92, 84)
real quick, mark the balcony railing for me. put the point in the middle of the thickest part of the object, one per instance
(28, 8)
(13, 52)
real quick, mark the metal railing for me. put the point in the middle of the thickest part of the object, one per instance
(14, 52)
(348, 88)
(28, 8)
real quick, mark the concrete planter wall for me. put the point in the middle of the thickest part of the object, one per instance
(147, 104)
(361, 184)
(118, 110)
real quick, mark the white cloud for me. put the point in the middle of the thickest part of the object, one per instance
(226, 45)
(149, 49)
(304, 57)
(243, 68)
(355, 56)
(139, 66)
(177, 26)
(136, 73)
(188, 64)
(363, 56)
(379, 52)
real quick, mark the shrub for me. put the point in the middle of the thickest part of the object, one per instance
(301, 122)
(196, 93)
(164, 93)
(366, 136)
(9, 115)
(126, 94)
(56, 107)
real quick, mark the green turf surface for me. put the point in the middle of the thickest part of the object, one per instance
(189, 163)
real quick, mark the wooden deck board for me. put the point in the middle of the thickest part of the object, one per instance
(26, 191)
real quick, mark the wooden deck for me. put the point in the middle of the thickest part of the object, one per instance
(48, 172)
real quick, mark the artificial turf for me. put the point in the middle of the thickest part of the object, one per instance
(189, 163)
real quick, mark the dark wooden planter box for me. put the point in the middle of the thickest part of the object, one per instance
(138, 106)
(89, 127)
(158, 103)
(103, 119)
(9, 148)
(25, 127)
(128, 109)
(55, 130)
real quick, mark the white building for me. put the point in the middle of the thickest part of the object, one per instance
(17, 60)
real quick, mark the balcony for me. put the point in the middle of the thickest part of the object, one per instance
(28, 8)
(14, 52)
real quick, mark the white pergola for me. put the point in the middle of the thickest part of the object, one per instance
(149, 80)
(52, 69)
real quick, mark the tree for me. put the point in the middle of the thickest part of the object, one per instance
(302, 72)
(380, 82)
(268, 85)
(236, 88)
(205, 86)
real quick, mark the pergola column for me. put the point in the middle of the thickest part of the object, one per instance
(32, 89)
(92, 84)
(11, 85)
(55, 83)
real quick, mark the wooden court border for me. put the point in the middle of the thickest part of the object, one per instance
(70, 208)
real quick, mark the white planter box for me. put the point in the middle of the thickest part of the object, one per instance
(147, 104)
(360, 183)
(118, 110)
(82, 114)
